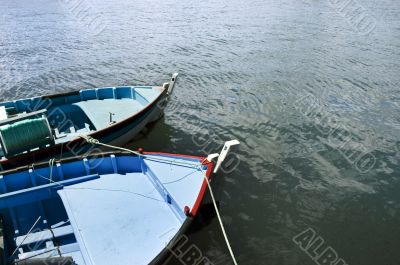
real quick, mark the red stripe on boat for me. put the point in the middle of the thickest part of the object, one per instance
(202, 190)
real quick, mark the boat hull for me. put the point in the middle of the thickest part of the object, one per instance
(81, 182)
(118, 134)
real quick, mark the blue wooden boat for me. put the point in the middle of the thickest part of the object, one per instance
(38, 128)
(111, 208)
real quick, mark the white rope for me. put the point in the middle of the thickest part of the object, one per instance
(30, 231)
(219, 218)
(51, 165)
(92, 140)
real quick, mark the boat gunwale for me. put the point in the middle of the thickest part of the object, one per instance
(42, 164)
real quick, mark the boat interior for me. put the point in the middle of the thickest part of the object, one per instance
(32, 123)
(117, 209)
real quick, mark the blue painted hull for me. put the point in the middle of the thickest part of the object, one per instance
(96, 210)
(117, 134)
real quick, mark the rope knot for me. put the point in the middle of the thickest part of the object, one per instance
(90, 139)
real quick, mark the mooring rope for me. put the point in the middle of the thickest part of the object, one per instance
(92, 140)
(219, 218)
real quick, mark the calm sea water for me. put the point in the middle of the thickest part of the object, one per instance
(313, 97)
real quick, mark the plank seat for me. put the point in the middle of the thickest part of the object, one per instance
(50, 252)
(38, 193)
(44, 235)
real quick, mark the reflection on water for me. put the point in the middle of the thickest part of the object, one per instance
(244, 68)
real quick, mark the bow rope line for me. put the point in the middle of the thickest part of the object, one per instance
(92, 140)
(219, 218)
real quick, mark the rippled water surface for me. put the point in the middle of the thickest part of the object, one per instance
(314, 101)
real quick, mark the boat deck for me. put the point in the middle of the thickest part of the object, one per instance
(125, 235)
(99, 111)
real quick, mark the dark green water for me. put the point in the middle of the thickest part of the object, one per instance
(313, 97)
